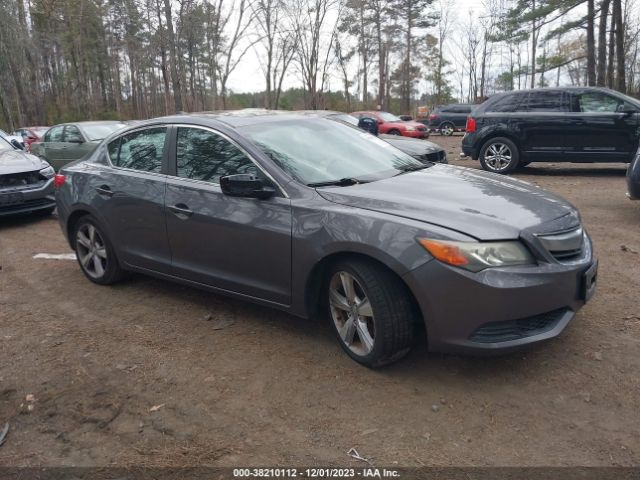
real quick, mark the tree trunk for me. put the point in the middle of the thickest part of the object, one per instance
(602, 44)
(612, 49)
(534, 41)
(591, 46)
(175, 77)
(621, 84)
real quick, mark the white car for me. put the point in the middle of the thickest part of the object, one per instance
(12, 138)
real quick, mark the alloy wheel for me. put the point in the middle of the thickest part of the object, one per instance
(498, 156)
(447, 130)
(352, 313)
(91, 251)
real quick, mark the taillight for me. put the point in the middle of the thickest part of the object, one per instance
(471, 124)
(59, 180)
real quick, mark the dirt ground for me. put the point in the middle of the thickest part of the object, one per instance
(151, 373)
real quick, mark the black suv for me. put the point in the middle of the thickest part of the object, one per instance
(573, 124)
(449, 118)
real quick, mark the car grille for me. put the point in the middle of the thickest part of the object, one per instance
(517, 329)
(35, 203)
(564, 246)
(20, 180)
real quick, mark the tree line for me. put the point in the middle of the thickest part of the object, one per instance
(63, 60)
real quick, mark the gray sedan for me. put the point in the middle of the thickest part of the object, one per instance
(319, 219)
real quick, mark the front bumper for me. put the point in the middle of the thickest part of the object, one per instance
(27, 199)
(498, 309)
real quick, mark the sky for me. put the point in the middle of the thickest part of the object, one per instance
(248, 76)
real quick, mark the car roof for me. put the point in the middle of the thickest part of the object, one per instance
(238, 118)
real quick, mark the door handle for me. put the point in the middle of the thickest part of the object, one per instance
(181, 211)
(104, 190)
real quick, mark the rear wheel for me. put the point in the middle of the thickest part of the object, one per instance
(393, 131)
(447, 129)
(499, 155)
(371, 312)
(95, 253)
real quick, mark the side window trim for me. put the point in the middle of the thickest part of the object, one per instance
(174, 158)
(163, 169)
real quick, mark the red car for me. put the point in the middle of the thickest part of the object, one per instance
(392, 125)
(30, 135)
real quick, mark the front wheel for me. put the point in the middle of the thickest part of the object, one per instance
(371, 312)
(499, 155)
(95, 253)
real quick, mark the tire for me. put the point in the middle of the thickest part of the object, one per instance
(447, 129)
(384, 336)
(104, 268)
(393, 131)
(499, 155)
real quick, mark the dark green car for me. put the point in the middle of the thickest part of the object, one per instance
(70, 141)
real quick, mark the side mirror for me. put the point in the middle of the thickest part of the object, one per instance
(245, 185)
(368, 125)
(17, 144)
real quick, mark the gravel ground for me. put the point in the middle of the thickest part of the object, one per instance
(152, 373)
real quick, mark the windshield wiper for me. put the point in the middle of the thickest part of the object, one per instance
(412, 169)
(343, 182)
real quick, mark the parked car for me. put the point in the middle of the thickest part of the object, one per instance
(14, 140)
(633, 178)
(392, 125)
(26, 182)
(309, 216)
(30, 135)
(553, 124)
(422, 150)
(448, 119)
(70, 141)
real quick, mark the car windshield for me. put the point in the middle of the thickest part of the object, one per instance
(4, 145)
(389, 117)
(319, 150)
(100, 131)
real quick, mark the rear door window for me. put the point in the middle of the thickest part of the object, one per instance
(141, 150)
(547, 101)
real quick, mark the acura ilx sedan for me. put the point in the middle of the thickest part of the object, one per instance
(319, 219)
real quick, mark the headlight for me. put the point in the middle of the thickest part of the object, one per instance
(411, 129)
(48, 171)
(476, 256)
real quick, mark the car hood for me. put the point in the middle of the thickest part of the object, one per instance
(411, 145)
(15, 161)
(483, 205)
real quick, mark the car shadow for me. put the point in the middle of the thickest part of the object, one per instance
(573, 170)
(24, 220)
(319, 337)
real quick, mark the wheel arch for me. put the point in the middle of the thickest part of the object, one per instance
(317, 278)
